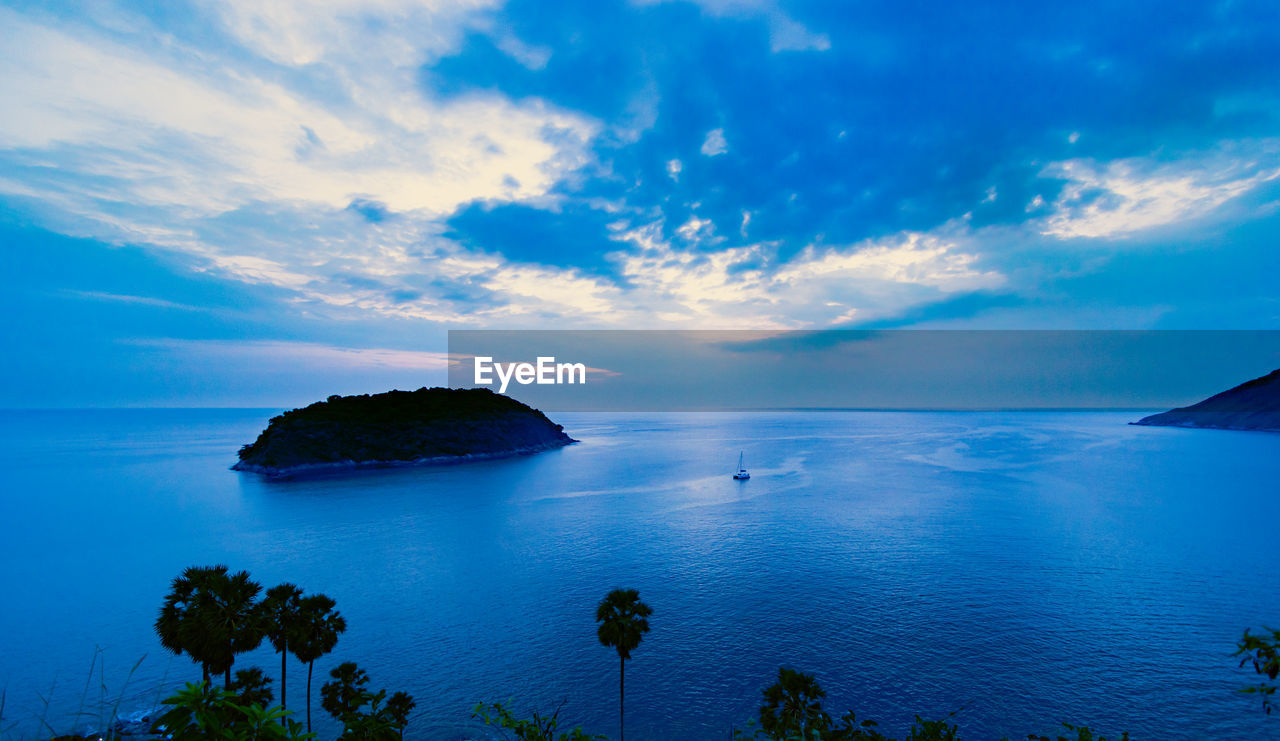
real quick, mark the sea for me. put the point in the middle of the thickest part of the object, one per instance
(1009, 570)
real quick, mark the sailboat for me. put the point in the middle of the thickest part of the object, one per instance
(742, 474)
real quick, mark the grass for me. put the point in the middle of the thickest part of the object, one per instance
(100, 714)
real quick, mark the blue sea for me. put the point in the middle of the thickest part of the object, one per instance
(1018, 568)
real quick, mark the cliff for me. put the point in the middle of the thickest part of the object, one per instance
(1254, 405)
(397, 428)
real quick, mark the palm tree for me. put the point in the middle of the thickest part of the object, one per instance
(318, 629)
(281, 615)
(793, 706)
(212, 616)
(175, 626)
(252, 687)
(346, 693)
(622, 625)
(235, 619)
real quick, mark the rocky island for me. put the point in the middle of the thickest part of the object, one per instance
(1254, 405)
(436, 425)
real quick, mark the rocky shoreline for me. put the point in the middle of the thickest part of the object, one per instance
(318, 469)
(136, 725)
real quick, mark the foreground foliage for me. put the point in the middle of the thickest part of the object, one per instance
(792, 711)
(537, 728)
(200, 712)
(1080, 733)
(1263, 653)
(365, 715)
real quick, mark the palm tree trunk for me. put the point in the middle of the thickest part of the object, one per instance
(622, 697)
(310, 665)
(283, 695)
(226, 682)
(205, 667)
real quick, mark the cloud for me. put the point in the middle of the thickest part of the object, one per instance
(549, 293)
(274, 353)
(912, 258)
(715, 143)
(696, 229)
(749, 286)
(151, 137)
(131, 299)
(785, 33)
(1122, 197)
(303, 32)
(209, 143)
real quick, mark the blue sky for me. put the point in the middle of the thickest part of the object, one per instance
(207, 203)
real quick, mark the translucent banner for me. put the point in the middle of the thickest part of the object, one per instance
(636, 370)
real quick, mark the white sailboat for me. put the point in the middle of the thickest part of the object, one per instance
(742, 474)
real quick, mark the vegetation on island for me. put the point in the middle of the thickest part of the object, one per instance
(212, 615)
(399, 427)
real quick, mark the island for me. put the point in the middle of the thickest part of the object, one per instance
(399, 428)
(1254, 405)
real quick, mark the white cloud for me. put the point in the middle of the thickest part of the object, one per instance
(912, 258)
(542, 292)
(696, 229)
(748, 286)
(673, 169)
(156, 142)
(303, 32)
(1122, 197)
(715, 143)
(787, 34)
(149, 133)
(532, 57)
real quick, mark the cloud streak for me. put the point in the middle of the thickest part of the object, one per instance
(1123, 197)
(266, 353)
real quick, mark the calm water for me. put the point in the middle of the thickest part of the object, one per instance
(1030, 567)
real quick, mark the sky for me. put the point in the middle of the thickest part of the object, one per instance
(260, 204)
